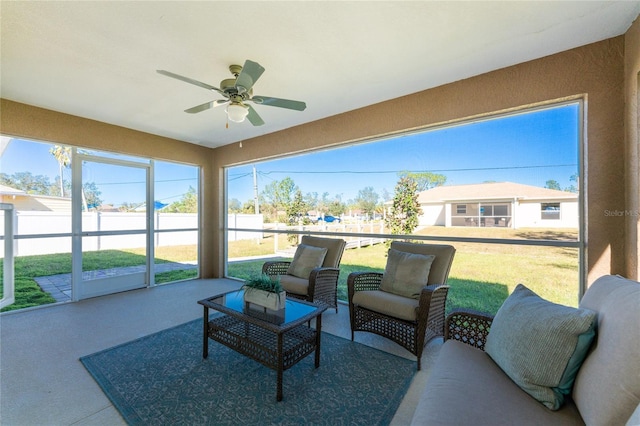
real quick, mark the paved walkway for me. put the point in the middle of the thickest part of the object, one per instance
(59, 286)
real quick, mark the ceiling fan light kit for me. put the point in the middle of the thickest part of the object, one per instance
(237, 91)
(237, 112)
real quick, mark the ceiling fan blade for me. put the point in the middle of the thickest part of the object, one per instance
(205, 106)
(220, 102)
(191, 81)
(281, 103)
(251, 72)
(253, 117)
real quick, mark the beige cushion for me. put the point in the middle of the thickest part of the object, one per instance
(387, 303)
(406, 273)
(295, 285)
(441, 264)
(607, 387)
(540, 345)
(465, 387)
(306, 259)
(335, 248)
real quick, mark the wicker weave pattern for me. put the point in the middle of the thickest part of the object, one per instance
(262, 345)
(323, 283)
(275, 345)
(467, 326)
(411, 335)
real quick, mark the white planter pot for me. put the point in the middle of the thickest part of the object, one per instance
(266, 299)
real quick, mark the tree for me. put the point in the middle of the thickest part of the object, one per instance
(405, 209)
(27, 182)
(91, 195)
(187, 204)
(279, 194)
(249, 207)
(336, 207)
(572, 187)
(425, 180)
(552, 184)
(296, 209)
(234, 206)
(367, 200)
(62, 155)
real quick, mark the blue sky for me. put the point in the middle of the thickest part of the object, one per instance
(117, 184)
(528, 148)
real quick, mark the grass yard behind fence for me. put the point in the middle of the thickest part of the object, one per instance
(482, 275)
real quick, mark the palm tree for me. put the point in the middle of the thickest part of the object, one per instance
(63, 155)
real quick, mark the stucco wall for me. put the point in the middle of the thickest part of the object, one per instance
(632, 138)
(594, 73)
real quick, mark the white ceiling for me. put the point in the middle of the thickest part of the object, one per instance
(99, 59)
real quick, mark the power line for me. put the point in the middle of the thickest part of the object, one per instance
(415, 171)
(140, 182)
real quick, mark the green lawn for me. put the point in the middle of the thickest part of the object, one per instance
(481, 277)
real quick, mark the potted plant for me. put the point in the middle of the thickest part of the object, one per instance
(265, 291)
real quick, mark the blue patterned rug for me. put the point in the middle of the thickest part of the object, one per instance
(161, 379)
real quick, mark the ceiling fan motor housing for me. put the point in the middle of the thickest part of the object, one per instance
(228, 86)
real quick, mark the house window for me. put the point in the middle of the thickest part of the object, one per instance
(550, 211)
(461, 209)
(501, 210)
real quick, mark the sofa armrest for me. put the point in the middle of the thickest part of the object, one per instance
(278, 267)
(468, 326)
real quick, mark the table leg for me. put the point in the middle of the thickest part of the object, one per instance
(205, 333)
(280, 366)
(318, 331)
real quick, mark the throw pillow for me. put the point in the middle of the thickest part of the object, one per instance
(306, 259)
(540, 345)
(406, 273)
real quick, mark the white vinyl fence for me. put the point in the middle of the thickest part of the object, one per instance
(28, 223)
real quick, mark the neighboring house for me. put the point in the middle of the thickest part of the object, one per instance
(499, 204)
(23, 201)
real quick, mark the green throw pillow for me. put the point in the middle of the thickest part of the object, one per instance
(306, 259)
(540, 345)
(406, 273)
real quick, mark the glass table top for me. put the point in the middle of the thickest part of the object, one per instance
(293, 310)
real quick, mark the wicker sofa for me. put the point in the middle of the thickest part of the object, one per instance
(466, 386)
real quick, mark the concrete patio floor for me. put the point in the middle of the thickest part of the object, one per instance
(42, 382)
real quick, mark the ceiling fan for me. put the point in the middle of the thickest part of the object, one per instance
(237, 92)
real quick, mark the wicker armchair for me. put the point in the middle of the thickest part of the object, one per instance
(416, 321)
(322, 284)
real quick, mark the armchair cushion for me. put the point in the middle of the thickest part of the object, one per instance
(387, 303)
(295, 285)
(540, 345)
(306, 259)
(406, 273)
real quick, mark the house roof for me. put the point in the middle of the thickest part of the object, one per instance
(98, 59)
(496, 191)
(7, 190)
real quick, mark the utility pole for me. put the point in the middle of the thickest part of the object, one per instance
(255, 191)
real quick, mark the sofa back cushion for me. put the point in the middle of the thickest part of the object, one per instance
(607, 387)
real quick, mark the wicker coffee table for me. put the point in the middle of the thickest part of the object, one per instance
(276, 339)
